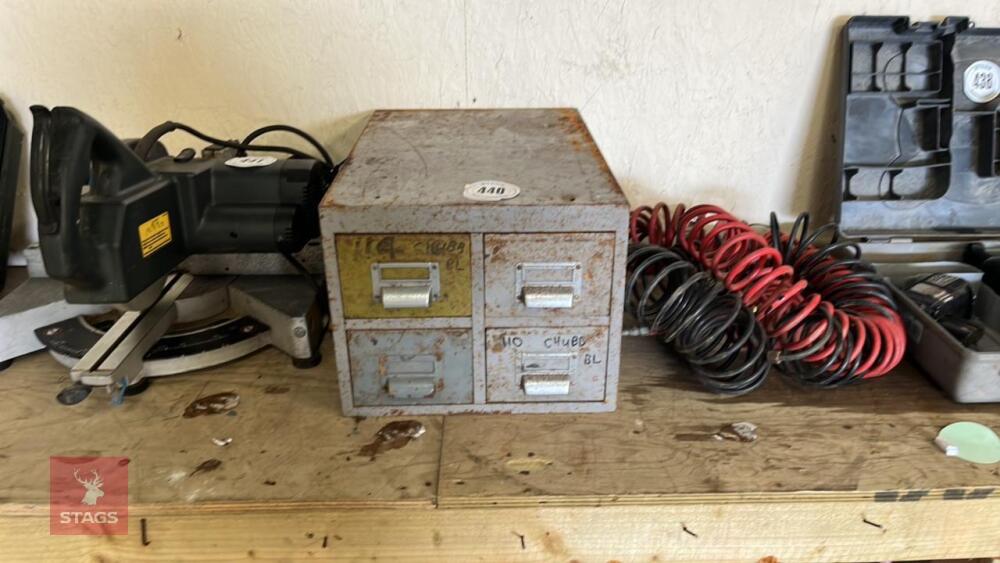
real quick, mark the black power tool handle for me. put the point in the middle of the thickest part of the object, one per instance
(70, 150)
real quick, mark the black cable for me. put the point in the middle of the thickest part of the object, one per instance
(813, 260)
(687, 308)
(899, 122)
(296, 131)
(148, 140)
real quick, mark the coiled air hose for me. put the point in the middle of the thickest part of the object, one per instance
(831, 319)
(687, 308)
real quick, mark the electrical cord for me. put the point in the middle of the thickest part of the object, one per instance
(295, 131)
(903, 108)
(707, 325)
(146, 143)
(831, 318)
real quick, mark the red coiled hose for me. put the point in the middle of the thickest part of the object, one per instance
(831, 319)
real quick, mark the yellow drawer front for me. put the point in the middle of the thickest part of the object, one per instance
(384, 276)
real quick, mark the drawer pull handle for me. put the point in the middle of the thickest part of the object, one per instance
(548, 285)
(406, 285)
(542, 297)
(406, 297)
(546, 384)
(411, 387)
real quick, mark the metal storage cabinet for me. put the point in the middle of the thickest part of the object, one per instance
(441, 303)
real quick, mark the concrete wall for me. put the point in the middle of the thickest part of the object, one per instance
(716, 101)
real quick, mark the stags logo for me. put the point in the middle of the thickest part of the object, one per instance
(88, 495)
(93, 487)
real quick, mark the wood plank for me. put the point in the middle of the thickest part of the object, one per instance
(618, 486)
(850, 443)
(290, 441)
(742, 532)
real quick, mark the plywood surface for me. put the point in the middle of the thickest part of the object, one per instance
(853, 442)
(847, 475)
(289, 440)
(287, 430)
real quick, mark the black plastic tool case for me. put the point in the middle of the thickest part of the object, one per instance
(10, 157)
(920, 172)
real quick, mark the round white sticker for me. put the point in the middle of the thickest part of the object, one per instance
(251, 161)
(490, 190)
(982, 81)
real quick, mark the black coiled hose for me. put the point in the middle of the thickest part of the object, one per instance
(835, 270)
(689, 309)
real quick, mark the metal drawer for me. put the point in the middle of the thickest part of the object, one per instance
(410, 367)
(548, 275)
(546, 364)
(405, 276)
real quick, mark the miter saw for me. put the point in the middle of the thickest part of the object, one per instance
(125, 226)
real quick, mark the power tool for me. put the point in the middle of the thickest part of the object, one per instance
(111, 224)
(121, 223)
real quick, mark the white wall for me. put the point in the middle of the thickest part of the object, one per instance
(691, 100)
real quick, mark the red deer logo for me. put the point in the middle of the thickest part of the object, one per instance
(88, 495)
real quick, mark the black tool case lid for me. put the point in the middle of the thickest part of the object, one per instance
(921, 128)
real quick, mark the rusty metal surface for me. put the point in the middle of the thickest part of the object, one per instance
(406, 176)
(478, 324)
(617, 312)
(591, 254)
(409, 168)
(514, 355)
(477, 219)
(409, 158)
(404, 324)
(382, 359)
(449, 254)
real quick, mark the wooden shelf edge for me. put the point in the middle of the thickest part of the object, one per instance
(885, 496)
(660, 500)
(814, 531)
(248, 507)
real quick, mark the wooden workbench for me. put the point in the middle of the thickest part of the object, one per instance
(844, 475)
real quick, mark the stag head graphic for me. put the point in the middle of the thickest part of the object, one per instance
(92, 485)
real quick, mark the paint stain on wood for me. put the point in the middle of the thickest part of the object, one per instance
(212, 404)
(277, 389)
(768, 559)
(206, 466)
(357, 422)
(553, 544)
(393, 436)
(527, 464)
(737, 432)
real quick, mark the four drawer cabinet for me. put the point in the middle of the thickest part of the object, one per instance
(475, 263)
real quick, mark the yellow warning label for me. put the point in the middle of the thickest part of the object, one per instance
(154, 234)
